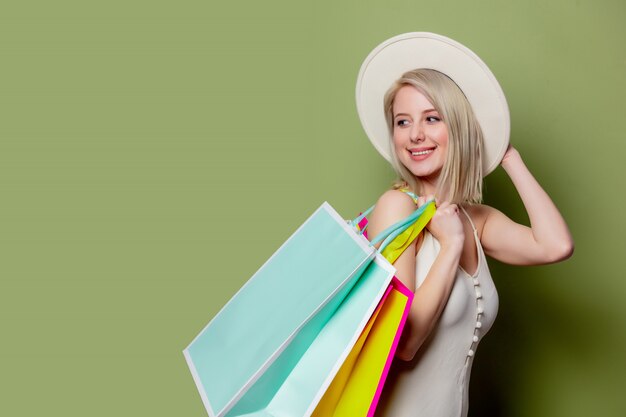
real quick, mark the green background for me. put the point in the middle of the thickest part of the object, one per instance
(154, 154)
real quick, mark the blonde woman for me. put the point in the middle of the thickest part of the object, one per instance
(443, 125)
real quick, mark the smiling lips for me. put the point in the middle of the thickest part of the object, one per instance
(420, 153)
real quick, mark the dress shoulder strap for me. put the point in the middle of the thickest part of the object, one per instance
(468, 218)
(410, 193)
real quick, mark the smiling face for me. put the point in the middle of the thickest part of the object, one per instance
(420, 137)
(447, 142)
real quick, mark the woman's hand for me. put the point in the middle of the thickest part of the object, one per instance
(446, 225)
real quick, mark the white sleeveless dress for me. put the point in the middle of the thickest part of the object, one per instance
(436, 382)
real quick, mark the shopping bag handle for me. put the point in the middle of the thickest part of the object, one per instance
(390, 233)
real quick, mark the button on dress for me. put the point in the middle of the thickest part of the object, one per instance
(435, 383)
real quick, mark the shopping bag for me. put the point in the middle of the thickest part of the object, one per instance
(357, 387)
(276, 346)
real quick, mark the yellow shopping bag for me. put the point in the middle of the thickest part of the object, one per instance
(356, 388)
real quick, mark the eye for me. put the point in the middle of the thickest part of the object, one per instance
(433, 119)
(402, 122)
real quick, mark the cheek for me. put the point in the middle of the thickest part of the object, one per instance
(442, 137)
(398, 148)
(397, 140)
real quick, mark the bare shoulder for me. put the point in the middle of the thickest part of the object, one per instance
(392, 206)
(479, 214)
(396, 200)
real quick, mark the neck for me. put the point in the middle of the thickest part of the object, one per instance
(428, 185)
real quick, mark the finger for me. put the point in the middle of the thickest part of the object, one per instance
(443, 205)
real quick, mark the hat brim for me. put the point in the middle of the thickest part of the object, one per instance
(409, 51)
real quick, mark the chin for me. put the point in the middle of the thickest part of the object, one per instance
(426, 168)
(423, 171)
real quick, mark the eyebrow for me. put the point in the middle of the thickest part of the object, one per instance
(406, 114)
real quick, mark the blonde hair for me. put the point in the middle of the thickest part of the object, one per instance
(461, 176)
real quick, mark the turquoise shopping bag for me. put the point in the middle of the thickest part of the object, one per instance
(275, 347)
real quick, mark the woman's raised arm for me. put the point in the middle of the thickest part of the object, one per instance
(548, 238)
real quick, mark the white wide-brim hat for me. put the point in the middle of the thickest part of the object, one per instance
(409, 51)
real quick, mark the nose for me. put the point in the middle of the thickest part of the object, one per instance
(417, 132)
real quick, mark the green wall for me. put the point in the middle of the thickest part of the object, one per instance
(154, 154)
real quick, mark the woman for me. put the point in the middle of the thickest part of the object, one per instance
(441, 149)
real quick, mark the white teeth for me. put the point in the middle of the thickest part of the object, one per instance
(422, 152)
